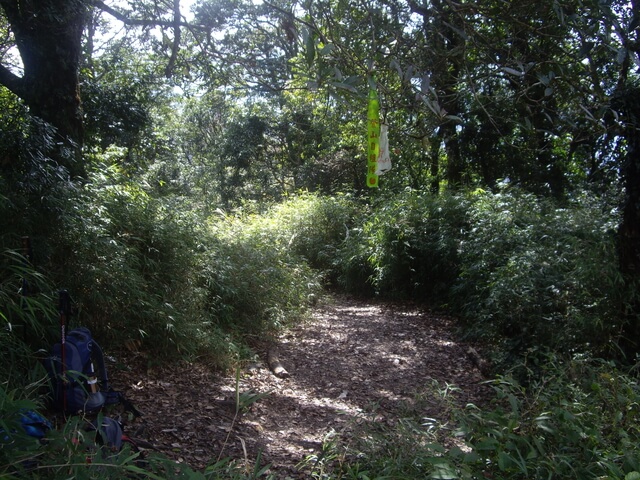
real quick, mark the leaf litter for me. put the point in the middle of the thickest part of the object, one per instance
(353, 358)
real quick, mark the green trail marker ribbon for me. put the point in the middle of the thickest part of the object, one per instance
(373, 137)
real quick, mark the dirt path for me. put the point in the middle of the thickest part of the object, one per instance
(351, 358)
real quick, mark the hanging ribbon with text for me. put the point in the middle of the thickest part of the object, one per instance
(373, 137)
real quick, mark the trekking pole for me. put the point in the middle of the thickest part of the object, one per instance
(64, 308)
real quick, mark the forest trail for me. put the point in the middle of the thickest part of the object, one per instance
(353, 361)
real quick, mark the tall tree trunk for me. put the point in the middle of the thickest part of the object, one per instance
(442, 30)
(48, 36)
(453, 49)
(626, 101)
(629, 230)
(434, 164)
(455, 167)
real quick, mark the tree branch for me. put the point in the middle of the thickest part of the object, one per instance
(140, 22)
(176, 39)
(13, 82)
(310, 25)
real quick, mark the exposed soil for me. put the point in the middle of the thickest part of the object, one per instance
(353, 359)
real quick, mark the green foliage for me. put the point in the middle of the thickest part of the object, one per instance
(128, 262)
(70, 451)
(578, 420)
(539, 272)
(464, 118)
(32, 183)
(352, 269)
(314, 227)
(16, 447)
(253, 281)
(411, 245)
(27, 312)
(527, 274)
(154, 275)
(116, 114)
(265, 149)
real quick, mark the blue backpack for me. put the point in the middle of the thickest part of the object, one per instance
(77, 374)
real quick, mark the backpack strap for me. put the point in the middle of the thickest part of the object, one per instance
(101, 367)
(112, 396)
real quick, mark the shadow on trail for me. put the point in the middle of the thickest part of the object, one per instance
(353, 362)
(357, 361)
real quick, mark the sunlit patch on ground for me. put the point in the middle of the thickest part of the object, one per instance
(352, 363)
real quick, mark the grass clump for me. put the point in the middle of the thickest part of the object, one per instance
(536, 273)
(254, 283)
(403, 246)
(152, 273)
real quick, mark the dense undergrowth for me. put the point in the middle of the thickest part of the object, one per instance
(578, 420)
(533, 280)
